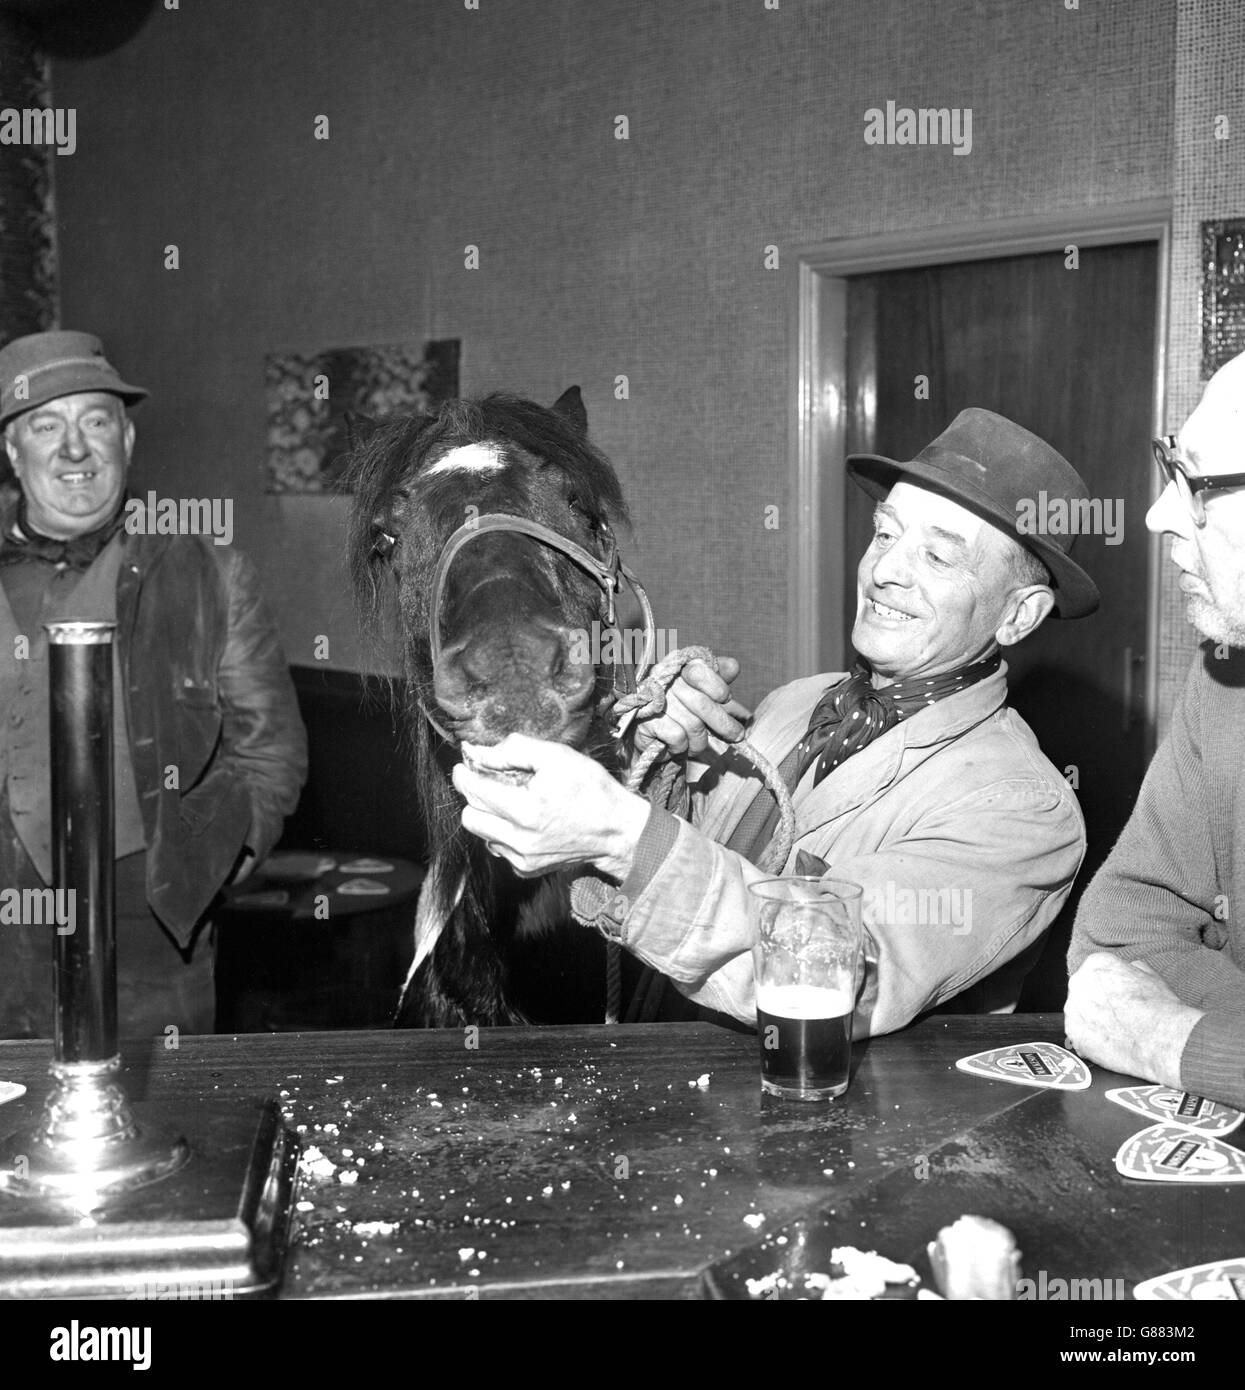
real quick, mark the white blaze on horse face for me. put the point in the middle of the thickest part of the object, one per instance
(470, 458)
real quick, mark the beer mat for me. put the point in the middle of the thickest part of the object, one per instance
(296, 866)
(1169, 1106)
(261, 897)
(1030, 1064)
(10, 1090)
(362, 887)
(367, 866)
(1220, 1280)
(1172, 1153)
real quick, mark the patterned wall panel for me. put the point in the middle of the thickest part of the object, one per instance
(28, 286)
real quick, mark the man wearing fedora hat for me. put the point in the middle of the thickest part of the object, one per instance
(910, 776)
(1158, 948)
(209, 749)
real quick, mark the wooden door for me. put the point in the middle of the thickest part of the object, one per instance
(1069, 354)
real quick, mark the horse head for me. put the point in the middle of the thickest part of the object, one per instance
(496, 520)
(493, 629)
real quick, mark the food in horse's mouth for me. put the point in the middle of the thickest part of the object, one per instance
(514, 776)
(975, 1258)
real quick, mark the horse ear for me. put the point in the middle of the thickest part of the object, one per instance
(359, 428)
(570, 406)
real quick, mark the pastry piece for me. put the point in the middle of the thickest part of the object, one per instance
(975, 1258)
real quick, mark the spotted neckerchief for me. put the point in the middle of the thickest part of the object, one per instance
(22, 542)
(850, 715)
(847, 718)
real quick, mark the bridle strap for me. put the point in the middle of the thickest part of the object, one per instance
(603, 573)
(607, 572)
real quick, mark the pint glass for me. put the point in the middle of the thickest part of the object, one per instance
(807, 962)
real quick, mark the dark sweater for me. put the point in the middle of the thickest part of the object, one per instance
(1172, 892)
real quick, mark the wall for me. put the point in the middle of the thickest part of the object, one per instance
(599, 257)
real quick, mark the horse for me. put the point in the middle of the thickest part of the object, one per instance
(495, 520)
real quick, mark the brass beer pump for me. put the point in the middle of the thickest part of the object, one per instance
(97, 1198)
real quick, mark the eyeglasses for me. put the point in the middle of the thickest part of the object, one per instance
(1190, 486)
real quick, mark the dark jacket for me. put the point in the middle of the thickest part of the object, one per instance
(219, 750)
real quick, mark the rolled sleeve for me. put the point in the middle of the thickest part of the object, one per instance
(1213, 1061)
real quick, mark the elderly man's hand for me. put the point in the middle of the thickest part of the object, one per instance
(1124, 1017)
(543, 806)
(698, 704)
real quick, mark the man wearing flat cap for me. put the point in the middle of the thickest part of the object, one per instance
(209, 749)
(910, 775)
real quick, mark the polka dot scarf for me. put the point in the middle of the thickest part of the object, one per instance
(847, 718)
(850, 715)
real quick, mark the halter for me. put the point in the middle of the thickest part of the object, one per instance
(608, 572)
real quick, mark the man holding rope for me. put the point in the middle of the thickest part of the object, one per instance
(909, 775)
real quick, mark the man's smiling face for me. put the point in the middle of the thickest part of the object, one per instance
(70, 456)
(934, 588)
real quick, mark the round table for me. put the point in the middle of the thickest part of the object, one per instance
(315, 940)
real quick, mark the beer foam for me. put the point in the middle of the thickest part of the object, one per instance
(804, 1001)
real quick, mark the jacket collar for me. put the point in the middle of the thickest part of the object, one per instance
(867, 774)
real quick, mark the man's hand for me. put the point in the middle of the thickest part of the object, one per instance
(698, 704)
(566, 810)
(1124, 1017)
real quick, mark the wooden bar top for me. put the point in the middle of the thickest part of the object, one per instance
(623, 1162)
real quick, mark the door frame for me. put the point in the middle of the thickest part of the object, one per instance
(818, 405)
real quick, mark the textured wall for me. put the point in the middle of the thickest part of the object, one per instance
(27, 230)
(599, 257)
(1209, 183)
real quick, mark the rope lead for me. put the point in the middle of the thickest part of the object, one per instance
(649, 701)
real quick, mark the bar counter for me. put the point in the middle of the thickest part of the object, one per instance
(633, 1161)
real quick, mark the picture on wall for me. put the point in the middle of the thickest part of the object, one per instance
(309, 396)
(1223, 293)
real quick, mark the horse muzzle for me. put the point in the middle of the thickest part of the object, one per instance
(515, 679)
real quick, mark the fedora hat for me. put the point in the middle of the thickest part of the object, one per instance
(42, 366)
(996, 469)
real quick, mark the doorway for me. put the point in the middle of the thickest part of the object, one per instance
(1070, 346)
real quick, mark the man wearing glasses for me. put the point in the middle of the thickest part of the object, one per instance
(1158, 950)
